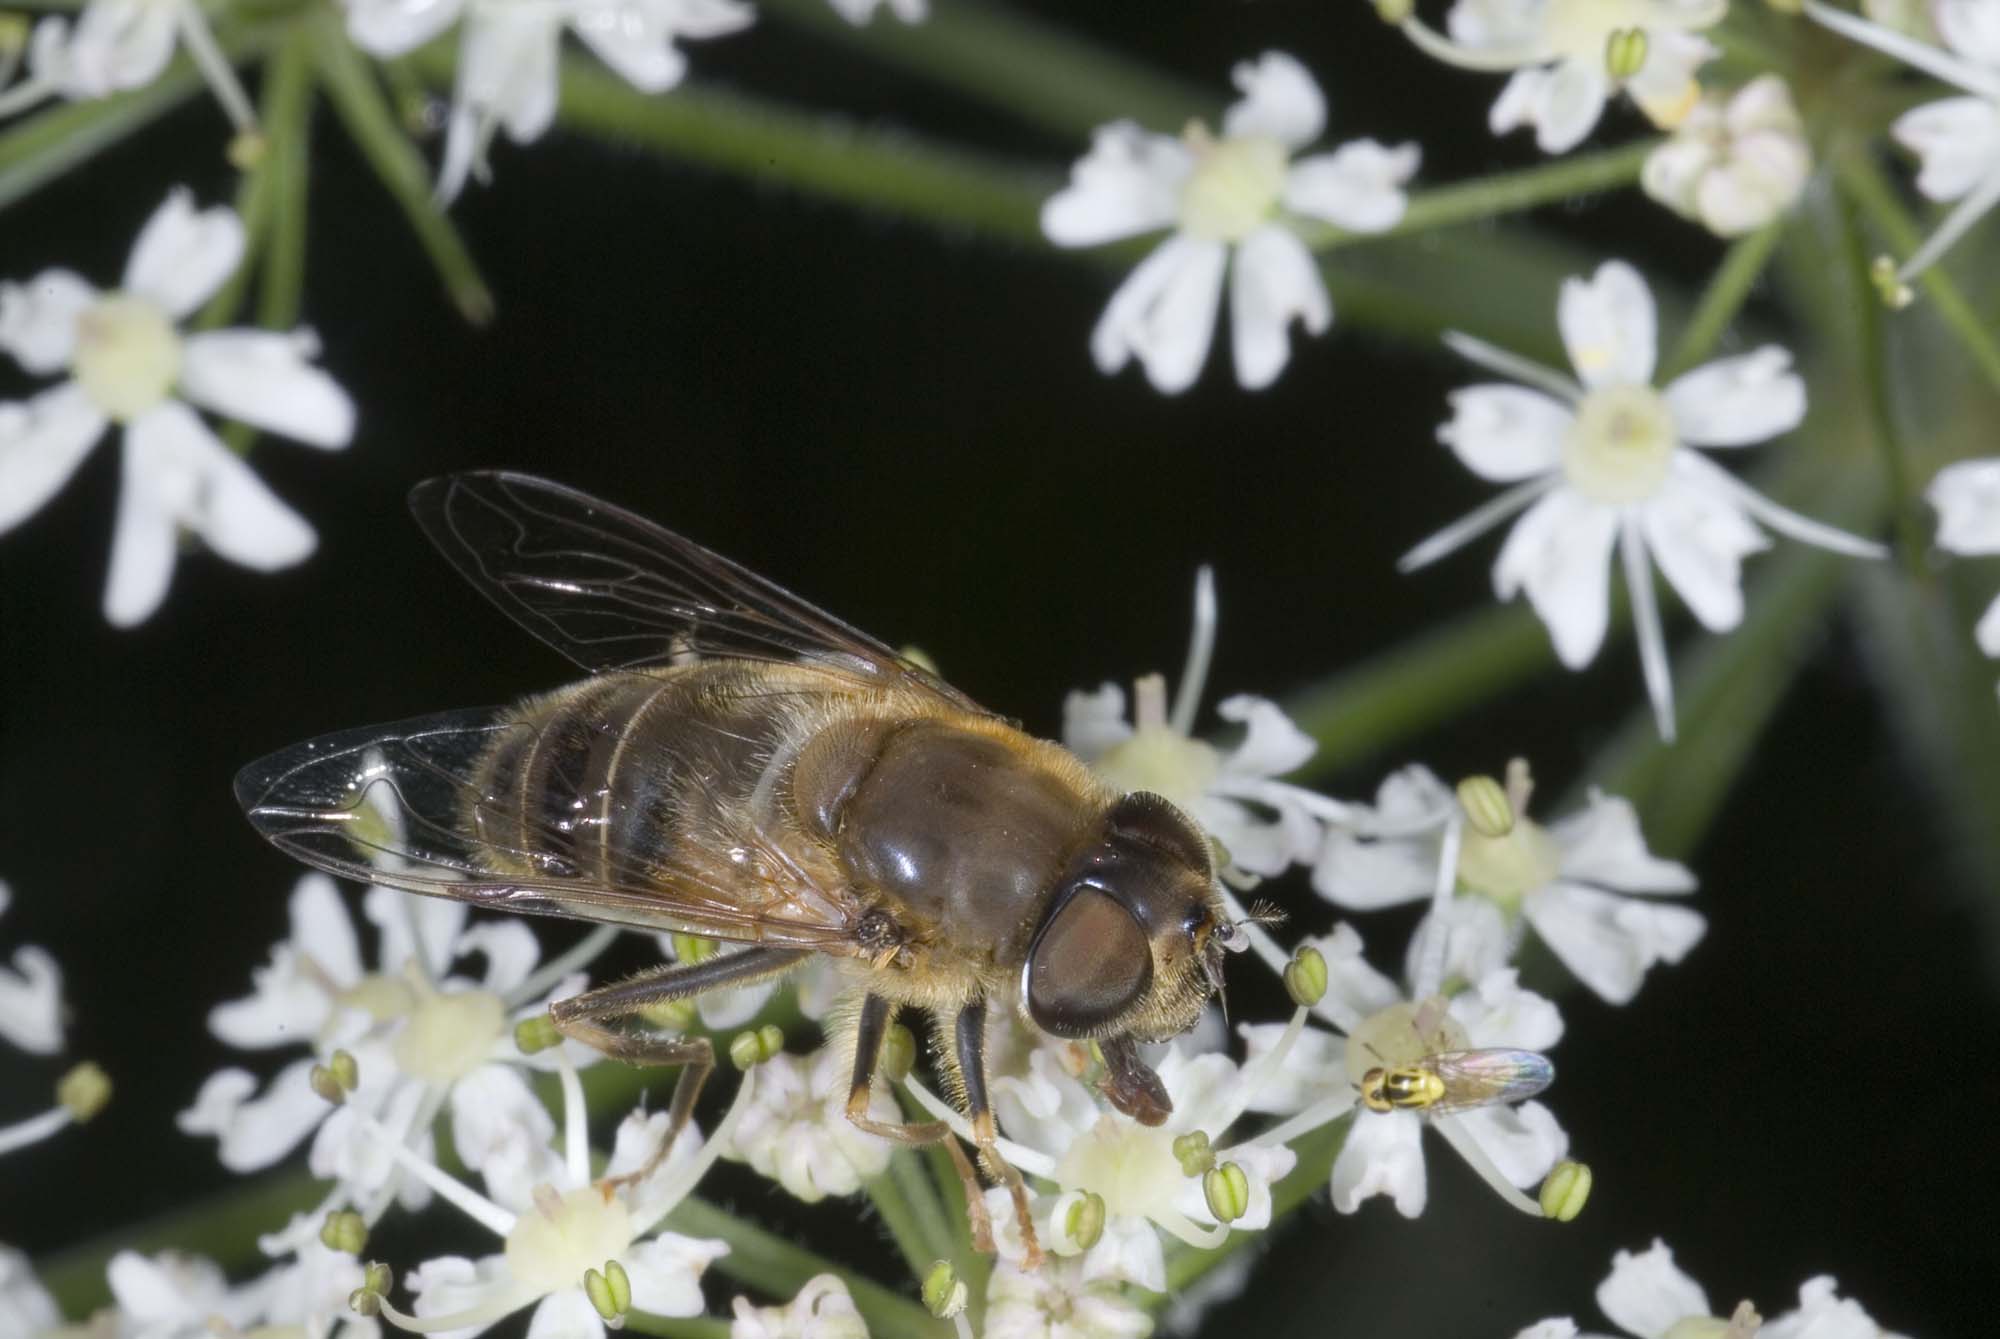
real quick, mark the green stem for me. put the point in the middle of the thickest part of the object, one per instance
(1864, 183)
(777, 1267)
(42, 148)
(1724, 297)
(287, 115)
(357, 98)
(1868, 341)
(677, 1327)
(887, 1193)
(941, 1240)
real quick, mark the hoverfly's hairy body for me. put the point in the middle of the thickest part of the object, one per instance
(743, 766)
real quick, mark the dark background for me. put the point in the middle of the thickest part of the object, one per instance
(909, 430)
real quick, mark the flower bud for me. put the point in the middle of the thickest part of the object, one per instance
(1193, 1151)
(365, 1302)
(754, 1048)
(1486, 806)
(345, 1231)
(899, 1052)
(1305, 976)
(693, 948)
(610, 1292)
(84, 1091)
(1895, 294)
(1228, 1192)
(943, 1292)
(537, 1032)
(1394, 11)
(1565, 1191)
(247, 149)
(1624, 52)
(1084, 1223)
(322, 1081)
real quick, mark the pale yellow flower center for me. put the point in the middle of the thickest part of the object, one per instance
(1508, 868)
(1131, 1165)
(1391, 1038)
(554, 1243)
(448, 1036)
(128, 355)
(1155, 758)
(1582, 27)
(1620, 445)
(1234, 187)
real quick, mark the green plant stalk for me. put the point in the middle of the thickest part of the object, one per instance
(677, 1327)
(1870, 353)
(889, 1196)
(1036, 72)
(68, 135)
(940, 1240)
(973, 1267)
(287, 117)
(1724, 297)
(357, 99)
(1864, 183)
(773, 1265)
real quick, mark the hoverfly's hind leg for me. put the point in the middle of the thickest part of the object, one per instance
(870, 1029)
(583, 1017)
(971, 1045)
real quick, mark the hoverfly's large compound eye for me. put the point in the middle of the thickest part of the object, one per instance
(1088, 966)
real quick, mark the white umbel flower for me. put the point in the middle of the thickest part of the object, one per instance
(119, 45)
(1059, 1301)
(858, 12)
(1226, 200)
(1735, 163)
(128, 364)
(1586, 884)
(508, 49)
(31, 1007)
(1606, 461)
(1570, 57)
(1263, 823)
(823, 1309)
(1957, 139)
(26, 1308)
(797, 1133)
(1967, 498)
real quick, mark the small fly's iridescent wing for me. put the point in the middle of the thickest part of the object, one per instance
(1494, 1076)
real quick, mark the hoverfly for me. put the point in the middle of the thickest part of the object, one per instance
(741, 766)
(1442, 1077)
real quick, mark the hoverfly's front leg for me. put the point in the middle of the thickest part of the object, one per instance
(869, 1031)
(970, 1034)
(582, 1018)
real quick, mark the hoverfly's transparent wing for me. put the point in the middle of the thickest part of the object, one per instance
(403, 805)
(1488, 1077)
(613, 591)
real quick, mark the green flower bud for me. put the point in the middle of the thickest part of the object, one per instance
(693, 948)
(1193, 1152)
(899, 1052)
(537, 1032)
(1625, 52)
(247, 149)
(378, 1278)
(346, 1070)
(1565, 1191)
(1895, 294)
(320, 1079)
(365, 1302)
(1085, 1223)
(1395, 11)
(345, 1231)
(754, 1048)
(944, 1293)
(610, 1292)
(1486, 806)
(84, 1091)
(1305, 976)
(1228, 1192)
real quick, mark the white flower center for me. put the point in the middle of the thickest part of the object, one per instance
(1131, 1165)
(1391, 1039)
(1508, 868)
(128, 355)
(1620, 445)
(1155, 758)
(564, 1235)
(448, 1036)
(1234, 187)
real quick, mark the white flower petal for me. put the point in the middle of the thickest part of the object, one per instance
(1094, 723)
(289, 1001)
(510, 949)
(182, 256)
(116, 45)
(1383, 1155)
(25, 1305)
(1523, 1142)
(1607, 326)
(42, 441)
(492, 1105)
(1602, 844)
(1164, 313)
(1987, 633)
(1609, 941)
(1560, 553)
(183, 471)
(1699, 541)
(1477, 940)
(1958, 140)
(1665, 87)
(636, 37)
(1560, 1327)
(1272, 745)
(38, 319)
(1823, 1314)
(1280, 100)
(1365, 875)
(1130, 182)
(1737, 401)
(424, 928)
(1358, 186)
(1506, 433)
(1967, 498)
(568, 1314)
(1273, 281)
(1646, 1295)
(1351, 981)
(1497, 1011)
(507, 67)
(264, 379)
(394, 27)
(31, 1008)
(252, 1132)
(666, 1272)
(451, 1284)
(1562, 102)
(1315, 1067)
(1969, 27)
(142, 541)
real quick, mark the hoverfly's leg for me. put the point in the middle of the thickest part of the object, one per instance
(869, 1030)
(580, 1018)
(971, 1040)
